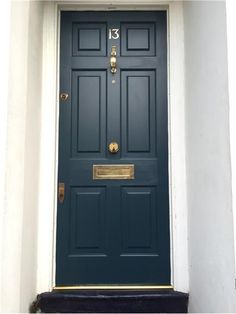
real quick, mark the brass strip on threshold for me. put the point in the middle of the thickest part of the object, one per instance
(112, 287)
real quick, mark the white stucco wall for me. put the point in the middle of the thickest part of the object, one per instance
(211, 245)
(32, 156)
(19, 223)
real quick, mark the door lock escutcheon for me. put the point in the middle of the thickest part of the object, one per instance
(64, 96)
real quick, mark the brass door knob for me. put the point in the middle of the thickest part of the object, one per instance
(113, 147)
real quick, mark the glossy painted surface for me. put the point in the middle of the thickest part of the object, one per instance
(113, 231)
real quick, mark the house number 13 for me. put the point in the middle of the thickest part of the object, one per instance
(114, 33)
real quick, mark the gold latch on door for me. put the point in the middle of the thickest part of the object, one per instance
(61, 192)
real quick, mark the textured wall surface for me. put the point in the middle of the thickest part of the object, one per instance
(211, 247)
(19, 219)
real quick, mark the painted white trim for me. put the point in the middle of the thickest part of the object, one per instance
(48, 153)
(177, 149)
(5, 22)
(49, 141)
(231, 26)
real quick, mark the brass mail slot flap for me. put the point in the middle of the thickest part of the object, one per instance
(113, 172)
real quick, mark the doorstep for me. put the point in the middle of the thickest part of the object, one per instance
(111, 301)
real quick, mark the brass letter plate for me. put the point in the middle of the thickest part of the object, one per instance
(113, 172)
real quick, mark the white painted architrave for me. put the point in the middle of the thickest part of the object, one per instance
(231, 26)
(5, 15)
(49, 136)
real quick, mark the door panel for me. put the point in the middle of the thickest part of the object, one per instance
(89, 39)
(89, 113)
(138, 39)
(139, 220)
(113, 231)
(87, 212)
(138, 113)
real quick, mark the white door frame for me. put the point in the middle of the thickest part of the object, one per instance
(50, 126)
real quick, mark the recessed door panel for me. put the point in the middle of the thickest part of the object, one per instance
(89, 113)
(89, 39)
(138, 39)
(138, 113)
(87, 221)
(139, 220)
(113, 206)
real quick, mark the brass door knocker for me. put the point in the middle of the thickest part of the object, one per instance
(113, 60)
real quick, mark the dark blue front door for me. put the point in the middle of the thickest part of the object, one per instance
(113, 222)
